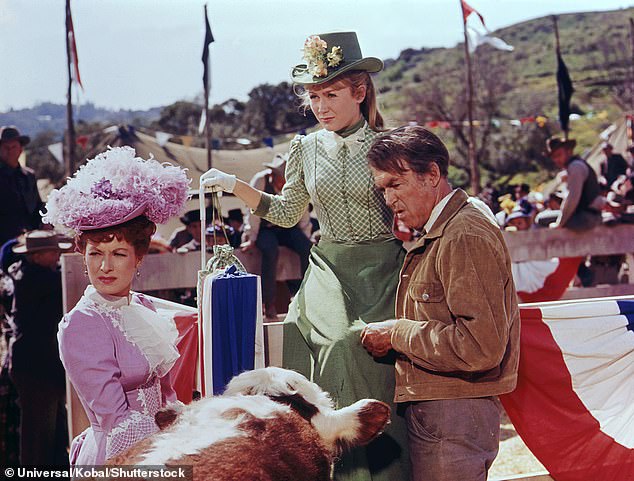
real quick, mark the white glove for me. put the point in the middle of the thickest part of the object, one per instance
(217, 180)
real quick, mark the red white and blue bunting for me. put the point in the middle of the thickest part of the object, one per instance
(573, 405)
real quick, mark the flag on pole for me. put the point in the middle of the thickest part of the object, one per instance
(208, 39)
(468, 10)
(73, 46)
(565, 91)
(573, 402)
(203, 121)
(476, 37)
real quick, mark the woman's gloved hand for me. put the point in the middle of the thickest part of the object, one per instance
(217, 180)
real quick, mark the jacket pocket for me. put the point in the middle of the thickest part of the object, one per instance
(426, 292)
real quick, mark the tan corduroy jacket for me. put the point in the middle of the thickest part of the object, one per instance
(458, 319)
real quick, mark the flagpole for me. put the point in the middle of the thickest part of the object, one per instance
(632, 79)
(473, 161)
(70, 126)
(558, 54)
(207, 83)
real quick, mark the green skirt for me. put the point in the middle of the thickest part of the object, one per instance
(345, 287)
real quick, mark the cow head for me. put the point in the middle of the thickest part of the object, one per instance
(355, 425)
(262, 411)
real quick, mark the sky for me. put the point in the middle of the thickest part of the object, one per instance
(138, 54)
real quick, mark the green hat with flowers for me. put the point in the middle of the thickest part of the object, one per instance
(328, 55)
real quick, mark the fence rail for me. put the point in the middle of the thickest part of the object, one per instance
(540, 244)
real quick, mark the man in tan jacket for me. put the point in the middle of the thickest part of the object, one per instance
(456, 332)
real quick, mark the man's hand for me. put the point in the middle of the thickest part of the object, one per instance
(377, 337)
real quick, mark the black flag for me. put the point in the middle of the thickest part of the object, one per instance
(208, 39)
(565, 90)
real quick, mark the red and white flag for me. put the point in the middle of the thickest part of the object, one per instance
(74, 59)
(574, 401)
(481, 35)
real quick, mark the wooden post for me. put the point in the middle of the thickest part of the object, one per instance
(69, 160)
(471, 150)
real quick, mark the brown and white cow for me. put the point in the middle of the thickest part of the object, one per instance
(271, 424)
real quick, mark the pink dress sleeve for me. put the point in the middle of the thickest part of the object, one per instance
(87, 350)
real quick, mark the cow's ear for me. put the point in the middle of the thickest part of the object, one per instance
(355, 425)
(297, 403)
(165, 417)
(372, 416)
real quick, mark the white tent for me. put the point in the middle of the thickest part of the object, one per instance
(618, 134)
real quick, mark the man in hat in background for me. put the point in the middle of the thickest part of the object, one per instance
(36, 369)
(614, 164)
(518, 220)
(581, 209)
(20, 202)
(187, 238)
(267, 237)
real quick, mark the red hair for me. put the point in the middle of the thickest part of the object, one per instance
(137, 232)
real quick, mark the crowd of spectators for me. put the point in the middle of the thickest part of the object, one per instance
(578, 199)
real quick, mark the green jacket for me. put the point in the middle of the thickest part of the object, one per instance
(458, 320)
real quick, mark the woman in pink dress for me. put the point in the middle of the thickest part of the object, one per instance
(116, 349)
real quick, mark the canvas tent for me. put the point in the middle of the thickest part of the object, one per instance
(243, 163)
(618, 134)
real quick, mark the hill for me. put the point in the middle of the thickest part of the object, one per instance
(429, 85)
(52, 117)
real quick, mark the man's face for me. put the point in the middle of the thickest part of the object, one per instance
(194, 229)
(411, 196)
(10, 151)
(47, 258)
(561, 156)
(519, 192)
(520, 223)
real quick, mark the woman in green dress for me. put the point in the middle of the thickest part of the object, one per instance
(353, 272)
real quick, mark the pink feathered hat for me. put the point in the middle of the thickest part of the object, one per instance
(116, 187)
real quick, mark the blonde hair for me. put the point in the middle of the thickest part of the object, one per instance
(354, 79)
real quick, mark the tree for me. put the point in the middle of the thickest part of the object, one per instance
(273, 110)
(181, 118)
(500, 149)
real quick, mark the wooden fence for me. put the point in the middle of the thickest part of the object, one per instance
(541, 244)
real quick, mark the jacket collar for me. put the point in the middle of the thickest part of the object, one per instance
(458, 200)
